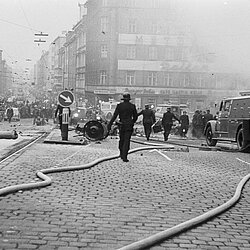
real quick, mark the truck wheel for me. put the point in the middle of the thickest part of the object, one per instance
(209, 137)
(241, 142)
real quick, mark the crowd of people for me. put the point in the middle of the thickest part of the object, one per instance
(194, 125)
(199, 121)
(44, 111)
(128, 116)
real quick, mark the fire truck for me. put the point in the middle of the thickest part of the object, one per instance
(232, 123)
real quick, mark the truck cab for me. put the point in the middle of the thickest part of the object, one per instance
(232, 123)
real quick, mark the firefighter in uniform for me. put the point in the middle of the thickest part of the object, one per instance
(184, 119)
(167, 122)
(148, 120)
(127, 117)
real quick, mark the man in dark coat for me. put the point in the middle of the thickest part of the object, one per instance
(184, 119)
(167, 122)
(207, 117)
(127, 117)
(148, 120)
(10, 113)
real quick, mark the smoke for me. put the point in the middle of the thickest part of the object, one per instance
(222, 28)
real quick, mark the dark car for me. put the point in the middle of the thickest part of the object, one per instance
(78, 116)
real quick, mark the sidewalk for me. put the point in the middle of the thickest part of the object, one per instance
(73, 138)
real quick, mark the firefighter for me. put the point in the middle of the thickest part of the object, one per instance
(127, 117)
(184, 119)
(167, 122)
(148, 120)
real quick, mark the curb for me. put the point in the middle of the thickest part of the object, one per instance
(65, 142)
(202, 148)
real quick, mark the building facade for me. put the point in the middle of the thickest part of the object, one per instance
(135, 46)
(6, 78)
(56, 65)
(139, 47)
(80, 31)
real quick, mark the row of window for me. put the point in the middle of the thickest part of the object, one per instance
(171, 53)
(153, 79)
(136, 3)
(154, 27)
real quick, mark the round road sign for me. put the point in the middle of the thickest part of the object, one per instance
(66, 98)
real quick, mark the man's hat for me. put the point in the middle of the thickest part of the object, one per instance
(126, 97)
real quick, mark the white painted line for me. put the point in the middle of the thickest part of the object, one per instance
(243, 161)
(161, 154)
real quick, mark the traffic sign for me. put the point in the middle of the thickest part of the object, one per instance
(66, 98)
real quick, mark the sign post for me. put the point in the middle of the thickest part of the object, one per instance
(65, 99)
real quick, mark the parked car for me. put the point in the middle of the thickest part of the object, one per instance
(16, 115)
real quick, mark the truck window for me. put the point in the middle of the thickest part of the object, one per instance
(113, 106)
(221, 105)
(227, 106)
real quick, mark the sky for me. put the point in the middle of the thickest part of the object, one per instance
(20, 20)
(221, 26)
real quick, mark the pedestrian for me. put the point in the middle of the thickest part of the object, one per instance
(207, 117)
(148, 120)
(184, 120)
(127, 117)
(167, 122)
(36, 115)
(9, 114)
(198, 124)
(59, 113)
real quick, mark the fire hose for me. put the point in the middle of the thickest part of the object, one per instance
(47, 180)
(151, 240)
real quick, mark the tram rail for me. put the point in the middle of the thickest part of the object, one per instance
(20, 147)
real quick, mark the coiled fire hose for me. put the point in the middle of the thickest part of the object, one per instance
(151, 240)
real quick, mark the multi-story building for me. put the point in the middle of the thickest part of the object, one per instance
(70, 61)
(6, 78)
(56, 64)
(73, 58)
(139, 47)
(80, 31)
(63, 65)
(43, 72)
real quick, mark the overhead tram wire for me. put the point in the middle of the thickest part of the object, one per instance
(23, 26)
(36, 34)
(25, 16)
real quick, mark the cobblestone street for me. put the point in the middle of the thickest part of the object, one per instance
(114, 203)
